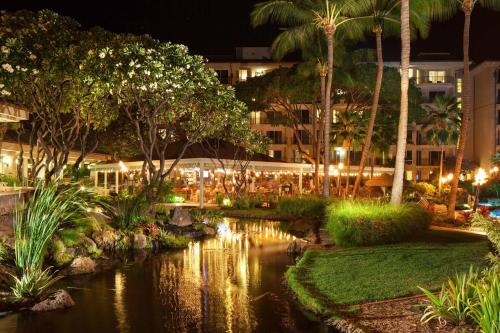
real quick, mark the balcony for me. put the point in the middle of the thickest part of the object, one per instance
(435, 79)
(11, 114)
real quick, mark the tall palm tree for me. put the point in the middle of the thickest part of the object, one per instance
(303, 18)
(443, 9)
(399, 167)
(442, 126)
(381, 17)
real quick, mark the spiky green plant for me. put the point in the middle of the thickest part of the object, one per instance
(453, 301)
(485, 310)
(49, 206)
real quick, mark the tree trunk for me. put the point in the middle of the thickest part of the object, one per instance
(318, 147)
(399, 168)
(440, 183)
(348, 170)
(373, 111)
(467, 6)
(329, 32)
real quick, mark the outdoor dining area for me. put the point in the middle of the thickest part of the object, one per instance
(203, 181)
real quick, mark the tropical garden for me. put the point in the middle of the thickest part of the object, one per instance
(127, 95)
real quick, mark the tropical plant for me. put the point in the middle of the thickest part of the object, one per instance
(485, 311)
(442, 126)
(453, 302)
(304, 20)
(444, 9)
(399, 167)
(381, 17)
(49, 207)
(130, 210)
(310, 207)
(467, 298)
(348, 131)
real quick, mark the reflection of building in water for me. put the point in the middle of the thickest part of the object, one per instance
(120, 311)
(211, 280)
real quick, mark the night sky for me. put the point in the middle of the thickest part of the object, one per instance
(215, 27)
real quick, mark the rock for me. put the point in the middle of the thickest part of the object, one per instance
(181, 218)
(141, 242)
(295, 248)
(81, 265)
(58, 300)
(209, 231)
(105, 238)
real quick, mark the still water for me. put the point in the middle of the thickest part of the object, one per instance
(232, 283)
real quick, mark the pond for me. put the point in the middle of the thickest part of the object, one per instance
(231, 283)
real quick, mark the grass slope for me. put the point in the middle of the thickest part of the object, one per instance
(325, 279)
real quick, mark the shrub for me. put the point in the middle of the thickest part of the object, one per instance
(9, 180)
(468, 298)
(358, 223)
(247, 202)
(130, 210)
(485, 310)
(171, 241)
(425, 189)
(490, 226)
(302, 206)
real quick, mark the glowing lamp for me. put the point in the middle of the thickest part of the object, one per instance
(123, 167)
(340, 166)
(480, 177)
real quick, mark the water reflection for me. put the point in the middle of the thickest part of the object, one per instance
(231, 283)
(211, 280)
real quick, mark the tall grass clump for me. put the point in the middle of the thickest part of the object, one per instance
(130, 210)
(468, 298)
(49, 207)
(313, 207)
(361, 223)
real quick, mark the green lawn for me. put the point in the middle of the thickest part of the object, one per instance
(324, 279)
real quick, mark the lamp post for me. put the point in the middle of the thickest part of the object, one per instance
(480, 178)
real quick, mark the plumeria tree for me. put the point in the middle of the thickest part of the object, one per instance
(41, 56)
(284, 94)
(166, 93)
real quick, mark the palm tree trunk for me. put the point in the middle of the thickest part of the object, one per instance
(399, 168)
(467, 6)
(373, 111)
(440, 183)
(318, 144)
(329, 32)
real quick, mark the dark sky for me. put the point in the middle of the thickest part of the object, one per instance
(216, 26)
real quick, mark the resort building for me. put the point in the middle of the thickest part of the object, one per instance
(246, 62)
(484, 130)
(434, 73)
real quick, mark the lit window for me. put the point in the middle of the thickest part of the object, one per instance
(334, 117)
(243, 74)
(255, 117)
(459, 86)
(259, 72)
(437, 76)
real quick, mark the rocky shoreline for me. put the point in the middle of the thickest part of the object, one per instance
(102, 249)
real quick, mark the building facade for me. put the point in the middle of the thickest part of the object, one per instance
(434, 75)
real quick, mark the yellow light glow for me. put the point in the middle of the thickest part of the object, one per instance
(226, 202)
(335, 172)
(331, 168)
(450, 176)
(480, 177)
(340, 166)
(123, 167)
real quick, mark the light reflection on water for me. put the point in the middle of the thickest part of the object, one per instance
(231, 283)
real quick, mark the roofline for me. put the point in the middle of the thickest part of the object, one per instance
(485, 64)
(258, 165)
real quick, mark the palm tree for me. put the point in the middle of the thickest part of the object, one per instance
(304, 18)
(442, 126)
(399, 167)
(381, 17)
(348, 132)
(443, 9)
